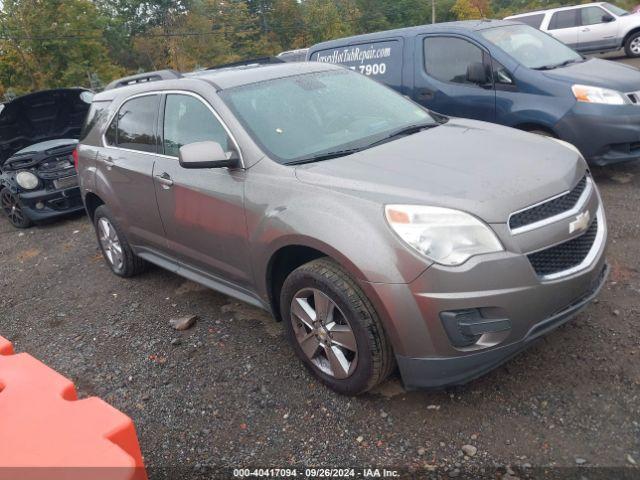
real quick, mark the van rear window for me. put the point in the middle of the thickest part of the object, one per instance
(381, 61)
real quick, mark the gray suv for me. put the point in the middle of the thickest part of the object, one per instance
(380, 233)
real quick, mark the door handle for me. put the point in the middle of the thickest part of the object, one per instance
(165, 180)
(425, 94)
(108, 161)
(586, 29)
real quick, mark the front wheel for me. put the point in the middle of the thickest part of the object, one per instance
(334, 329)
(632, 46)
(13, 210)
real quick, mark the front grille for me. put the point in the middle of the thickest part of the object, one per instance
(566, 255)
(548, 209)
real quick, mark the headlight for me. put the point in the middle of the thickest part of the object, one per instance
(446, 236)
(585, 93)
(27, 180)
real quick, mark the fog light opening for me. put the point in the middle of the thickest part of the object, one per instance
(39, 205)
(465, 328)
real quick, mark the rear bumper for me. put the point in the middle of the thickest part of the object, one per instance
(45, 204)
(444, 371)
(604, 134)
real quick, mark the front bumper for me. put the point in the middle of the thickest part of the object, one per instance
(443, 371)
(44, 204)
(604, 134)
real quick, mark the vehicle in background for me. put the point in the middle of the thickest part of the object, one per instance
(377, 231)
(508, 73)
(299, 55)
(590, 28)
(38, 134)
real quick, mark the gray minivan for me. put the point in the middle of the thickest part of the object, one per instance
(508, 73)
(380, 233)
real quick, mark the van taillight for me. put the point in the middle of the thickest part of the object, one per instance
(75, 158)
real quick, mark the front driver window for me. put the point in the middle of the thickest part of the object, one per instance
(448, 58)
(188, 120)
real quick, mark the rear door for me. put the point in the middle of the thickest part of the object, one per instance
(202, 210)
(565, 26)
(599, 29)
(441, 80)
(124, 176)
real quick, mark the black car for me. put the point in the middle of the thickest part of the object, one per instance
(38, 135)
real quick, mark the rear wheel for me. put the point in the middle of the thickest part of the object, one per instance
(632, 45)
(116, 250)
(334, 329)
(13, 210)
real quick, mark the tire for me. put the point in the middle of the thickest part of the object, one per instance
(632, 45)
(12, 209)
(352, 372)
(114, 245)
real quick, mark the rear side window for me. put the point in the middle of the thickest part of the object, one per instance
(532, 20)
(381, 61)
(592, 15)
(447, 58)
(188, 120)
(134, 125)
(96, 112)
(564, 19)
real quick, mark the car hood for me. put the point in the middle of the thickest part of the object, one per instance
(481, 168)
(41, 116)
(599, 73)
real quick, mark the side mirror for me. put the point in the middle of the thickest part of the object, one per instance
(206, 155)
(477, 73)
(607, 18)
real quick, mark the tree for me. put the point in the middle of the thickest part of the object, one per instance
(286, 22)
(52, 43)
(471, 9)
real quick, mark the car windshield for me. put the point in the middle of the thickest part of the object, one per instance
(531, 47)
(316, 115)
(621, 12)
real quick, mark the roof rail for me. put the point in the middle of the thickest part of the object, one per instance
(249, 63)
(143, 78)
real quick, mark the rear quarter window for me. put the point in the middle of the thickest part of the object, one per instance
(532, 20)
(381, 61)
(97, 111)
(564, 19)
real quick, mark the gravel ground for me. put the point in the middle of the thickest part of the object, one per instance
(229, 391)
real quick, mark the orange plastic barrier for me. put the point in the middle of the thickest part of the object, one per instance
(47, 434)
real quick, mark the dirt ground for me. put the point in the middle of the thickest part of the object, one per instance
(229, 391)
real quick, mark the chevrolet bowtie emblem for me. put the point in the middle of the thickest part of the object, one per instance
(580, 223)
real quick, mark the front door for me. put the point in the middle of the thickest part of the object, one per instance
(442, 81)
(202, 209)
(599, 30)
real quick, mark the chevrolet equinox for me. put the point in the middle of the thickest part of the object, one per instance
(381, 234)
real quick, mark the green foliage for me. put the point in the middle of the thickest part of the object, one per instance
(53, 43)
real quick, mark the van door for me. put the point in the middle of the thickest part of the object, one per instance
(202, 209)
(599, 29)
(446, 77)
(124, 176)
(381, 60)
(565, 25)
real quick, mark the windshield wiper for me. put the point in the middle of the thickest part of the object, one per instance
(408, 130)
(325, 156)
(558, 65)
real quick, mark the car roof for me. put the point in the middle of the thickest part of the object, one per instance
(224, 78)
(463, 26)
(566, 7)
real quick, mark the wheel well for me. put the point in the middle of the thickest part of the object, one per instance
(282, 263)
(92, 202)
(631, 32)
(529, 127)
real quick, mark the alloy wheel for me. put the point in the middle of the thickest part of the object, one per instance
(635, 46)
(12, 208)
(324, 333)
(110, 243)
